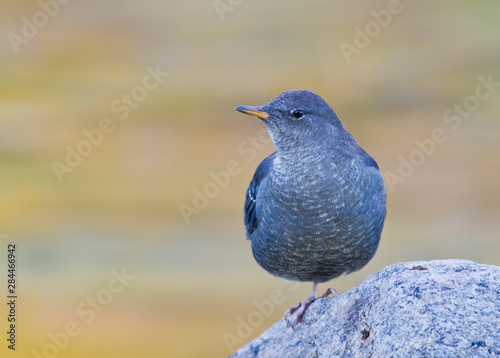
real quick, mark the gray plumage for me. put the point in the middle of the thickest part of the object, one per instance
(316, 207)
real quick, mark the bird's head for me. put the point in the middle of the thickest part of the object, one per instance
(296, 118)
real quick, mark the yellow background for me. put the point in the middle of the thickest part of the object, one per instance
(119, 209)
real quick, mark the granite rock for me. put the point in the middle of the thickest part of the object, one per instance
(440, 308)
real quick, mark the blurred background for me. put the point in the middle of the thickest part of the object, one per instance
(128, 204)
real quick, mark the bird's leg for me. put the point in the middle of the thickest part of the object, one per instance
(304, 305)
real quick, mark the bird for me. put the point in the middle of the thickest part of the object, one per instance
(315, 208)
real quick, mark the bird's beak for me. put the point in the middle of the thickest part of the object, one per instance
(253, 111)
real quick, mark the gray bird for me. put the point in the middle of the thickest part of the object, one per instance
(315, 208)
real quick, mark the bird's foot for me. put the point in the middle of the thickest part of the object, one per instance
(302, 307)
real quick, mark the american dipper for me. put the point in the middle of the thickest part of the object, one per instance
(315, 208)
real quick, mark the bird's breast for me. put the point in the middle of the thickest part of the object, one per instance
(309, 201)
(319, 217)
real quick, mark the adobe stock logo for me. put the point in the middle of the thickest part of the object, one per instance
(31, 26)
(255, 319)
(122, 107)
(221, 179)
(453, 119)
(223, 6)
(363, 36)
(87, 311)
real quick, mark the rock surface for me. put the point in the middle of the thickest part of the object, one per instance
(442, 308)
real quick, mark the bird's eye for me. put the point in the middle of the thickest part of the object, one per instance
(297, 113)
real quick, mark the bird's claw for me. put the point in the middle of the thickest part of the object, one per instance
(302, 307)
(291, 310)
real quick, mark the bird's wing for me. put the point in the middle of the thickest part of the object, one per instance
(375, 172)
(250, 214)
(367, 160)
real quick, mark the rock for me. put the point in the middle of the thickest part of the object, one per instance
(442, 308)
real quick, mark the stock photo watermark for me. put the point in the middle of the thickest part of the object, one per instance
(453, 117)
(87, 311)
(263, 309)
(121, 107)
(30, 26)
(221, 179)
(12, 295)
(223, 6)
(363, 36)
